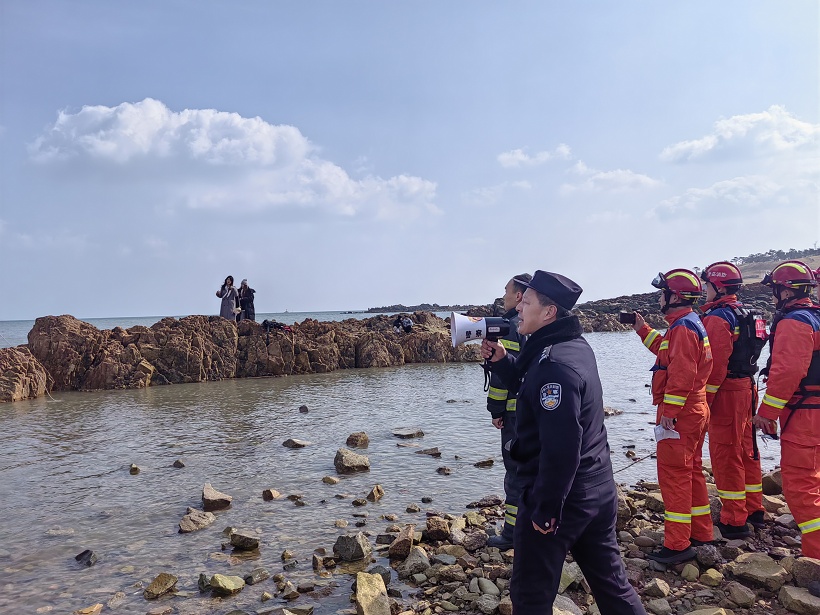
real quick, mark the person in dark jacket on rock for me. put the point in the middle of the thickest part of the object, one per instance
(569, 500)
(501, 405)
(246, 296)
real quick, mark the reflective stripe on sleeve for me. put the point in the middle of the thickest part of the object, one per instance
(677, 517)
(809, 526)
(664, 345)
(511, 509)
(650, 337)
(732, 495)
(698, 511)
(498, 394)
(510, 345)
(509, 519)
(774, 402)
(511, 405)
(754, 488)
(675, 400)
(712, 388)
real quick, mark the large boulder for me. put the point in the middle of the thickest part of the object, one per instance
(22, 376)
(799, 600)
(805, 570)
(401, 545)
(352, 548)
(371, 595)
(760, 570)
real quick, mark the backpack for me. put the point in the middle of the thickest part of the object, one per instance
(751, 339)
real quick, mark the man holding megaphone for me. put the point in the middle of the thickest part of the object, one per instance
(569, 500)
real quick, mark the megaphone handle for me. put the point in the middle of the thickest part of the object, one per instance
(486, 367)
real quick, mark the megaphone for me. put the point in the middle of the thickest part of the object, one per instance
(469, 328)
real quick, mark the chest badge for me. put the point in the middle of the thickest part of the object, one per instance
(550, 396)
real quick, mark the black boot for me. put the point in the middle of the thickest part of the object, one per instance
(504, 540)
(730, 532)
(757, 520)
(670, 556)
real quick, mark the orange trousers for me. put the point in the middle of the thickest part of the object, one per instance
(683, 487)
(800, 468)
(737, 473)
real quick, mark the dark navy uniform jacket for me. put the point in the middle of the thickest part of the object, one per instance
(561, 440)
(500, 399)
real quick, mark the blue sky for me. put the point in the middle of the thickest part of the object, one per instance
(343, 155)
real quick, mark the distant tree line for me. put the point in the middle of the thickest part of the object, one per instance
(776, 255)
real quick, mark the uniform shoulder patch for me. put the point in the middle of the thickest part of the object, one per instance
(550, 396)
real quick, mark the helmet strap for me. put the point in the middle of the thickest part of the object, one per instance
(667, 296)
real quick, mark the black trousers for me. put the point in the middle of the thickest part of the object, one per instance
(587, 530)
(513, 485)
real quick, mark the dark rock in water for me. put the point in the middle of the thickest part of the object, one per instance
(178, 463)
(484, 463)
(294, 443)
(204, 582)
(376, 493)
(413, 508)
(433, 452)
(224, 585)
(134, 469)
(358, 439)
(87, 558)
(444, 471)
(214, 500)
(408, 432)
(348, 462)
(612, 411)
(352, 548)
(244, 541)
(257, 575)
(359, 502)
(162, 584)
(426, 499)
(303, 409)
(290, 564)
(270, 494)
(487, 502)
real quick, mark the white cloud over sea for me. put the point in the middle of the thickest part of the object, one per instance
(520, 158)
(220, 161)
(615, 181)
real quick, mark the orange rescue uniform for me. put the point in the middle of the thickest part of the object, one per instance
(679, 390)
(731, 398)
(793, 396)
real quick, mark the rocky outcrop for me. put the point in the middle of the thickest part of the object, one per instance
(78, 356)
(22, 376)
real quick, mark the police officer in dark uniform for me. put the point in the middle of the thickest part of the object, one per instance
(569, 502)
(501, 405)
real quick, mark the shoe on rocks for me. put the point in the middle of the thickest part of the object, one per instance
(699, 543)
(731, 532)
(666, 555)
(757, 520)
(500, 542)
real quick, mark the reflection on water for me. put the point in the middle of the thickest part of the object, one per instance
(65, 485)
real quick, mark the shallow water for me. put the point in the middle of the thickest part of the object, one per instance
(65, 485)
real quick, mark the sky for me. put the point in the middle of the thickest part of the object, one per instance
(346, 155)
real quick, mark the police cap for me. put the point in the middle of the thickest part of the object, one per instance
(557, 287)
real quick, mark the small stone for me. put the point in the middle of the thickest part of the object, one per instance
(271, 494)
(348, 462)
(359, 502)
(330, 480)
(408, 432)
(487, 604)
(86, 558)
(711, 578)
(485, 463)
(244, 541)
(444, 471)
(644, 541)
(352, 548)
(659, 606)
(162, 583)
(195, 520)
(214, 500)
(505, 606)
(179, 463)
(295, 443)
(376, 493)
(486, 586)
(690, 572)
(401, 546)
(341, 523)
(426, 499)
(657, 588)
(134, 469)
(303, 409)
(90, 610)
(358, 439)
(740, 594)
(224, 585)
(266, 596)
(306, 587)
(204, 582)
(413, 508)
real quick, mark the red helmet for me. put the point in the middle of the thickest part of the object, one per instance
(722, 274)
(682, 282)
(796, 275)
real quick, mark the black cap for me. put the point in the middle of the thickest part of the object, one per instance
(559, 288)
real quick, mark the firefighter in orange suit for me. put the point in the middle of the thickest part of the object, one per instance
(793, 394)
(679, 390)
(732, 396)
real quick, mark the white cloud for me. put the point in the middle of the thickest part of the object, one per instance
(619, 180)
(730, 197)
(208, 159)
(520, 158)
(491, 195)
(769, 133)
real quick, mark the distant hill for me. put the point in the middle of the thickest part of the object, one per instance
(755, 266)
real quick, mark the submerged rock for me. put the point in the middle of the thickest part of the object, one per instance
(195, 520)
(408, 432)
(358, 439)
(162, 584)
(348, 462)
(224, 585)
(86, 558)
(214, 500)
(295, 443)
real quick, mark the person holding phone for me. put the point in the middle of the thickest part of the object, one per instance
(230, 299)
(683, 365)
(793, 394)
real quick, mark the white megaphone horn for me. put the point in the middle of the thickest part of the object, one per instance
(469, 328)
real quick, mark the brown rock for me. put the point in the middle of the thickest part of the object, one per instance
(376, 493)
(759, 569)
(400, 547)
(162, 584)
(772, 483)
(799, 600)
(348, 462)
(214, 500)
(21, 375)
(805, 570)
(358, 439)
(438, 528)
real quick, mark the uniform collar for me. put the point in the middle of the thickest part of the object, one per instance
(726, 299)
(671, 318)
(795, 304)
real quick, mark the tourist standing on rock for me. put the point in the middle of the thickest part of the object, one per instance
(569, 500)
(229, 298)
(501, 402)
(732, 397)
(246, 302)
(679, 390)
(793, 394)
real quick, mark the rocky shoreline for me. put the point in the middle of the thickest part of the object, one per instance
(423, 561)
